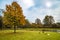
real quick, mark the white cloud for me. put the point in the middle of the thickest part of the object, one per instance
(28, 3)
(38, 12)
(42, 12)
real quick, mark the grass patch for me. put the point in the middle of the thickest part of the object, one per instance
(28, 35)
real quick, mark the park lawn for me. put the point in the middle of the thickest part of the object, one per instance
(28, 35)
(39, 29)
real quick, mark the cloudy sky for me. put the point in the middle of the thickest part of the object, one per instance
(33, 9)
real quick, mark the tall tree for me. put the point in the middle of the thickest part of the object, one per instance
(28, 24)
(38, 22)
(48, 20)
(14, 15)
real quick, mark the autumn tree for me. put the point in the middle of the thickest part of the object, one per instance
(13, 15)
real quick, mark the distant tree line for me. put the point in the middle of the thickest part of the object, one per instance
(14, 18)
(48, 22)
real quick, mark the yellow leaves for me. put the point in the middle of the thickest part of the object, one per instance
(22, 21)
(14, 12)
(5, 21)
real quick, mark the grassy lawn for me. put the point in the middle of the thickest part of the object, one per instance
(28, 35)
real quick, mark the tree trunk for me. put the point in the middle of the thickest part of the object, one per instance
(14, 29)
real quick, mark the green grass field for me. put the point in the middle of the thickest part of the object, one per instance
(28, 35)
